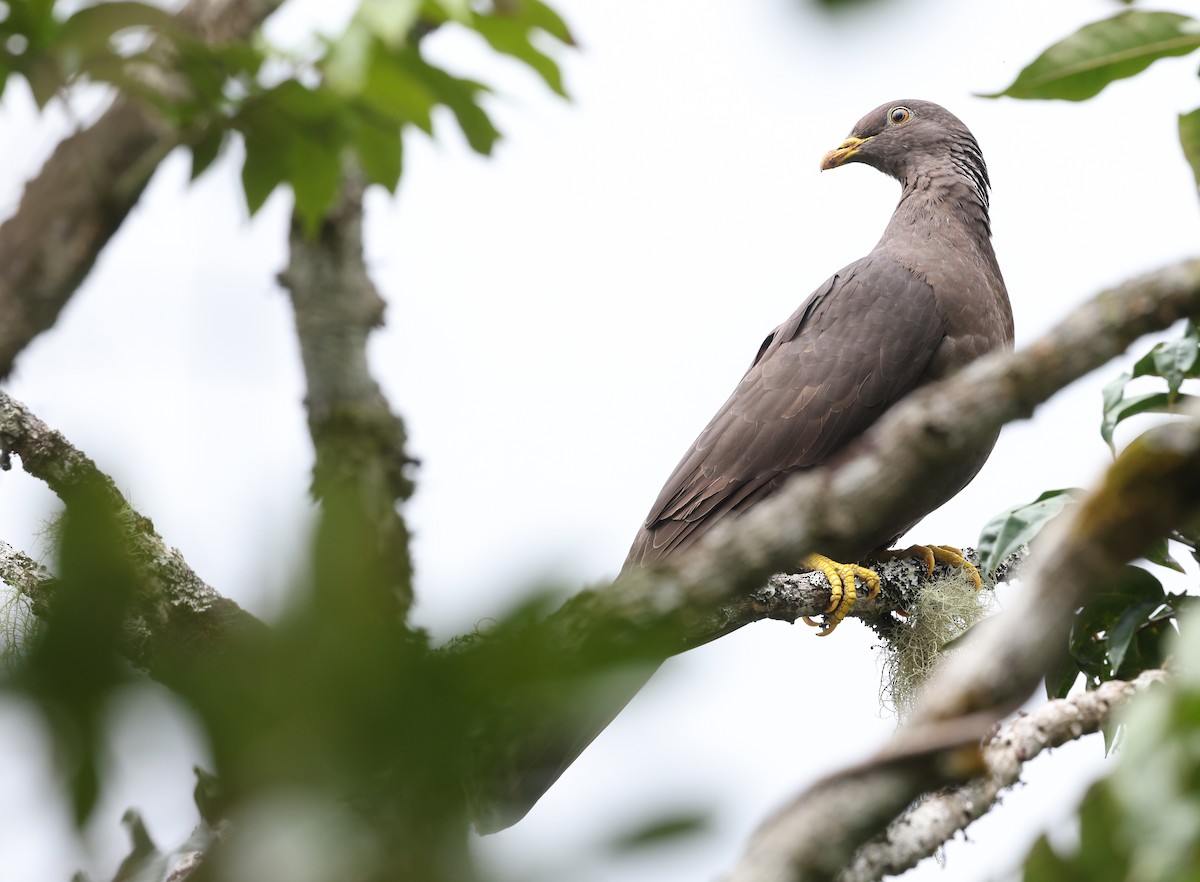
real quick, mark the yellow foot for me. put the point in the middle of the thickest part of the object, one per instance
(842, 593)
(932, 555)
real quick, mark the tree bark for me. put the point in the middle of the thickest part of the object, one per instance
(87, 187)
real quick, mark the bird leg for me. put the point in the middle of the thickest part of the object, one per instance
(932, 555)
(842, 593)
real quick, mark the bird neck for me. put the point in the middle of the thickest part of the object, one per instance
(945, 201)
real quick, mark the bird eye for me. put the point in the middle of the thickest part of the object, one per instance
(899, 115)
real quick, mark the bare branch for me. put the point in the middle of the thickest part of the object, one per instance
(181, 616)
(85, 190)
(359, 441)
(925, 827)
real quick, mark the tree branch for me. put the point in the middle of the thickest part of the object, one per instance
(827, 509)
(359, 441)
(926, 826)
(1152, 487)
(181, 617)
(87, 187)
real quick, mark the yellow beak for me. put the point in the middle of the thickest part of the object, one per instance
(843, 153)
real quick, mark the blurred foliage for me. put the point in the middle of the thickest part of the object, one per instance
(1140, 823)
(72, 662)
(1078, 67)
(341, 738)
(300, 117)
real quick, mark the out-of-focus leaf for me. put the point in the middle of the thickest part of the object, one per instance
(664, 830)
(265, 165)
(94, 26)
(1061, 677)
(541, 16)
(205, 149)
(73, 662)
(315, 173)
(1079, 66)
(394, 91)
(380, 150)
(389, 20)
(1160, 553)
(1017, 526)
(294, 134)
(460, 95)
(1044, 865)
(511, 37)
(458, 10)
(1101, 854)
(1189, 140)
(1124, 408)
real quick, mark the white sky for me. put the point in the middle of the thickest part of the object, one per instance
(563, 319)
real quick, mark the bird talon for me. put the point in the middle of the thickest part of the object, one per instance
(931, 556)
(843, 592)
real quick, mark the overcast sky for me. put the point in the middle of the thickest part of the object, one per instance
(563, 319)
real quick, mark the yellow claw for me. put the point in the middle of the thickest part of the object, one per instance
(932, 555)
(842, 592)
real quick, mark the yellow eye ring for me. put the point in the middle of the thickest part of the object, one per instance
(899, 115)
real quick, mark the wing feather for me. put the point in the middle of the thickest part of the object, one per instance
(860, 343)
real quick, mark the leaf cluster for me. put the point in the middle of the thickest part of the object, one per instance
(1126, 629)
(350, 99)
(1140, 822)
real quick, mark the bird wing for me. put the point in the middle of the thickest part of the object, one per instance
(860, 343)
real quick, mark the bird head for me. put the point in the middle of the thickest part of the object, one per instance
(901, 137)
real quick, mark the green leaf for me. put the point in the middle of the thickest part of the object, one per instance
(458, 10)
(664, 830)
(460, 96)
(298, 135)
(1079, 66)
(511, 37)
(1122, 633)
(389, 20)
(94, 26)
(1044, 865)
(541, 16)
(1061, 677)
(265, 165)
(380, 150)
(1189, 140)
(1160, 553)
(1124, 408)
(1173, 360)
(394, 91)
(1017, 526)
(315, 173)
(206, 149)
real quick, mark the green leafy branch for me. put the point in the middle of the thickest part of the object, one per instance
(301, 118)
(1127, 629)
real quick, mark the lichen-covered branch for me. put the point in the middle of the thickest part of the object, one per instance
(359, 441)
(827, 509)
(181, 617)
(1151, 488)
(925, 827)
(83, 193)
